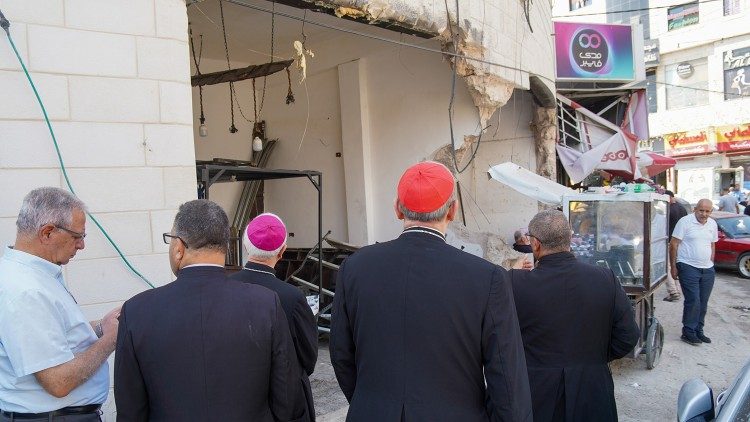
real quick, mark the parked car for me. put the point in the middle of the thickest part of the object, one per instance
(695, 402)
(733, 247)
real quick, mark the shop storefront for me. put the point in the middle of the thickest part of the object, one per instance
(709, 160)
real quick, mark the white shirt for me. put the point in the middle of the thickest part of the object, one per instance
(696, 240)
(41, 326)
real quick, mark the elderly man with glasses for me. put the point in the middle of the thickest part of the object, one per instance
(53, 363)
(574, 319)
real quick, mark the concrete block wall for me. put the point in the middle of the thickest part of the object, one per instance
(115, 79)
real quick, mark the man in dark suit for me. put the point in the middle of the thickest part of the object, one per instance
(204, 348)
(419, 326)
(676, 212)
(264, 240)
(575, 318)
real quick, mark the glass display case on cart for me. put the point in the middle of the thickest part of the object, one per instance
(627, 233)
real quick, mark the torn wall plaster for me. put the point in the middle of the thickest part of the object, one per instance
(443, 154)
(495, 249)
(544, 128)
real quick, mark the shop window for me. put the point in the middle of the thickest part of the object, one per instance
(731, 7)
(651, 90)
(687, 84)
(682, 16)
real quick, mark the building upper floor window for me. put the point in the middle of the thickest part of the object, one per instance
(731, 7)
(577, 4)
(682, 16)
(687, 84)
(737, 73)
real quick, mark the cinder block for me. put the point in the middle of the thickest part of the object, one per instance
(161, 222)
(8, 59)
(19, 101)
(45, 12)
(63, 50)
(134, 17)
(176, 102)
(163, 59)
(101, 144)
(120, 189)
(180, 186)
(23, 181)
(26, 144)
(131, 232)
(169, 145)
(7, 231)
(114, 100)
(171, 19)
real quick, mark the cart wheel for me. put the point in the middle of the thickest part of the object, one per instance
(654, 343)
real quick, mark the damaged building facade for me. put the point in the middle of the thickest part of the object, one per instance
(115, 78)
(375, 99)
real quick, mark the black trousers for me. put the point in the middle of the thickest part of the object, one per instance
(89, 417)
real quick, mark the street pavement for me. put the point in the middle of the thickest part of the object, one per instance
(641, 394)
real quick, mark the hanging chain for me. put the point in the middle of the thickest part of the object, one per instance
(255, 102)
(232, 128)
(197, 62)
(273, 34)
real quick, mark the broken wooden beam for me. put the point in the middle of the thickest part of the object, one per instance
(236, 75)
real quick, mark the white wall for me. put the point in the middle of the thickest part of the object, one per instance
(406, 108)
(114, 77)
(717, 112)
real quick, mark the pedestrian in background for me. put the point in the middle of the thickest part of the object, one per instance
(676, 212)
(691, 254)
(575, 318)
(423, 331)
(728, 202)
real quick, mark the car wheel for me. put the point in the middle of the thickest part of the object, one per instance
(743, 265)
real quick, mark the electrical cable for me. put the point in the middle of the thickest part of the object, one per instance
(5, 25)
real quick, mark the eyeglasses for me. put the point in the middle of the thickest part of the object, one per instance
(531, 235)
(76, 235)
(167, 237)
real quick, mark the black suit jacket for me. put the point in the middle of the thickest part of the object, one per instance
(417, 327)
(574, 318)
(204, 348)
(302, 325)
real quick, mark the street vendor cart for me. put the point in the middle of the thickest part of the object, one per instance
(627, 233)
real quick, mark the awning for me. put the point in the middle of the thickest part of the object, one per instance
(529, 183)
(652, 163)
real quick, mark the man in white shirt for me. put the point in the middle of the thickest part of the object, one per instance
(691, 255)
(52, 360)
(728, 202)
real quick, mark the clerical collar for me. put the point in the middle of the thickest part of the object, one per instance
(426, 230)
(259, 268)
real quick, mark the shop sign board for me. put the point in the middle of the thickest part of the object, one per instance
(733, 138)
(682, 16)
(737, 73)
(590, 51)
(651, 52)
(687, 143)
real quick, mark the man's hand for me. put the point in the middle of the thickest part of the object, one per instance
(109, 325)
(674, 272)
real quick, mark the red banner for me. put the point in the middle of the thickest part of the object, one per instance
(733, 138)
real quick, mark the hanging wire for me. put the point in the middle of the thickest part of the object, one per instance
(232, 128)
(273, 35)
(5, 26)
(197, 62)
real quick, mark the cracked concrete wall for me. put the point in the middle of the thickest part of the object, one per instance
(510, 45)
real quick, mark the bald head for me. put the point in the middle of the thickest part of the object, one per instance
(703, 210)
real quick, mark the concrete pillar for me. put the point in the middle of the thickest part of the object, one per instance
(355, 137)
(544, 128)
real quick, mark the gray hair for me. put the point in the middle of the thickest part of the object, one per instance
(202, 224)
(427, 217)
(47, 205)
(517, 235)
(552, 230)
(257, 253)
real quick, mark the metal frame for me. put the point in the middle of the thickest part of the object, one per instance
(209, 174)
